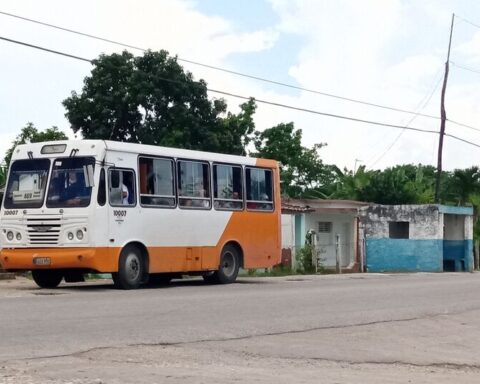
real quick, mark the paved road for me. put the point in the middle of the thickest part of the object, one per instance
(330, 329)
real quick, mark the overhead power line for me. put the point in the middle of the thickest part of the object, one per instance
(350, 118)
(326, 94)
(467, 21)
(465, 68)
(44, 49)
(423, 103)
(118, 43)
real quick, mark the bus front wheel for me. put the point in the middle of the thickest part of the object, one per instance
(229, 266)
(47, 278)
(131, 268)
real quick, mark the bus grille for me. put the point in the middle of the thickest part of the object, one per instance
(43, 231)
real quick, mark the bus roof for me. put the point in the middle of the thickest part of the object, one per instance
(99, 147)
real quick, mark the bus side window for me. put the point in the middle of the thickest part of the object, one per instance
(156, 182)
(121, 187)
(193, 184)
(102, 193)
(258, 182)
(227, 187)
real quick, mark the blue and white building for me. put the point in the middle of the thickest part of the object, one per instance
(416, 238)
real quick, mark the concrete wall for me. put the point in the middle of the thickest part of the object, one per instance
(344, 226)
(288, 231)
(425, 220)
(458, 244)
(404, 255)
(454, 226)
(439, 237)
(422, 251)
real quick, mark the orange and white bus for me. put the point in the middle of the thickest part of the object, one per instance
(138, 212)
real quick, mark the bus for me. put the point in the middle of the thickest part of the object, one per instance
(142, 213)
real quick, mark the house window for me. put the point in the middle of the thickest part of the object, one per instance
(398, 229)
(324, 227)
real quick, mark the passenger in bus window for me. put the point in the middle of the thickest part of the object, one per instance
(125, 194)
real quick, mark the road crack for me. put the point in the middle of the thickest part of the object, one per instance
(256, 335)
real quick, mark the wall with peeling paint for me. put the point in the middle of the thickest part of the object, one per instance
(439, 238)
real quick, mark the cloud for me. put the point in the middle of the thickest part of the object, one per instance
(471, 49)
(386, 52)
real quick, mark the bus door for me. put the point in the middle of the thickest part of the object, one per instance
(102, 210)
(121, 196)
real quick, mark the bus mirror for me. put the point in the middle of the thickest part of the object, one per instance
(88, 175)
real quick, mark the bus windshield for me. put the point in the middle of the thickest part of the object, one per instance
(67, 185)
(27, 183)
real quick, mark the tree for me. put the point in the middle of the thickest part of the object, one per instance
(150, 99)
(30, 134)
(303, 173)
(351, 185)
(462, 184)
(402, 184)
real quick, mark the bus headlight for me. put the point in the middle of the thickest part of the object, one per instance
(80, 234)
(19, 236)
(70, 236)
(9, 235)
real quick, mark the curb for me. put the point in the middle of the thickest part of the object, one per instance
(7, 276)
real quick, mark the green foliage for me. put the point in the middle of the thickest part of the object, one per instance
(277, 270)
(304, 259)
(30, 134)
(150, 99)
(462, 184)
(303, 173)
(402, 184)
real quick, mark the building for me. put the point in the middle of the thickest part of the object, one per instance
(414, 238)
(334, 224)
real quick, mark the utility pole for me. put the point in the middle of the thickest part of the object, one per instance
(443, 118)
(355, 166)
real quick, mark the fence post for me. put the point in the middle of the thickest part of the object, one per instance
(337, 253)
(476, 253)
(314, 251)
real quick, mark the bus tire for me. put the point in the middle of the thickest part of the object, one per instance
(228, 269)
(47, 278)
(131, 268)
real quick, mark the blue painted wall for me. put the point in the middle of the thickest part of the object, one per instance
(458, 255)
(404, 255)
(300, 231)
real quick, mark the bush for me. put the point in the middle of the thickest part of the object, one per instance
(304, 259)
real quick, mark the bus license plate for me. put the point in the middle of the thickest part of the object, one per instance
(41, 260)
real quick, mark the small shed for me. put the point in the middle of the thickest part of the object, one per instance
(334, 223)
(416, 238)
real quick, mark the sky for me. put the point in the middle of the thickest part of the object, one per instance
(386, 52)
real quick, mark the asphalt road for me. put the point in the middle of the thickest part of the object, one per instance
(421, 328)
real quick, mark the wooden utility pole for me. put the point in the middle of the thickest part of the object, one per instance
(443, 118)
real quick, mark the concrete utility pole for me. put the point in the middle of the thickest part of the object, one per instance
(443, 118)
(355, 166)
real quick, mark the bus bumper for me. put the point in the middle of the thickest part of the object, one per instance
(97, 259)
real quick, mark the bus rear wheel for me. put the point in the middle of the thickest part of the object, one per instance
(131, 269)
(47, 278)
(229, 266)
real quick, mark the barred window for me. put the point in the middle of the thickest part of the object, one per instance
(324, 227)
